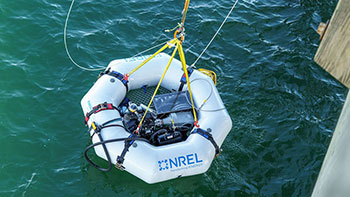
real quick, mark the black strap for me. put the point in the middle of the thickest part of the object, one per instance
(183, 79)
(117, 75)
(209, 137)
(120, 159)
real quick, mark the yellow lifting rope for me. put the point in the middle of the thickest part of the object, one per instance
(184, 66)
(178, 47)
(179, 33)
(156, 90)
(184, 12)
(169, 44)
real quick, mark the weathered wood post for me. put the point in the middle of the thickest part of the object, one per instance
(333, 55)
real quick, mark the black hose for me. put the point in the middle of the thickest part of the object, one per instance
(104, 125)
(103, 143)
(112, 125)
(106, 153)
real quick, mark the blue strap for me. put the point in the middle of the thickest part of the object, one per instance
(183, 78)
(209, 137)
(144, 89)
(117, 75)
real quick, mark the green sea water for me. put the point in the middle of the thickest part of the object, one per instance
(284, 107)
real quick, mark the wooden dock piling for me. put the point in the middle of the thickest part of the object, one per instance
(333, 53)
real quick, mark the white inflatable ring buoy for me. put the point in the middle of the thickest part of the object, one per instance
(151, 163)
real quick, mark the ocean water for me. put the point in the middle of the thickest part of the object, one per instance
(284, 107)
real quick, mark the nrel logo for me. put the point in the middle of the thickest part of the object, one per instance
(180, 162)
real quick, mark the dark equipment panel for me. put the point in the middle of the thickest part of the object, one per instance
(172, 102)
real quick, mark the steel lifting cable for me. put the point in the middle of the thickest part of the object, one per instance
(142, 52)
(182, 23)
(65, 43)
(216, 33)
(70, 57)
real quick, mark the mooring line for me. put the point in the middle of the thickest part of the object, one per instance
(222, 24)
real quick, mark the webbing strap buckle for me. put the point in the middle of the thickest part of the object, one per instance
(217, 154)
(103, 106)
(98, 108)
(119, 166)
